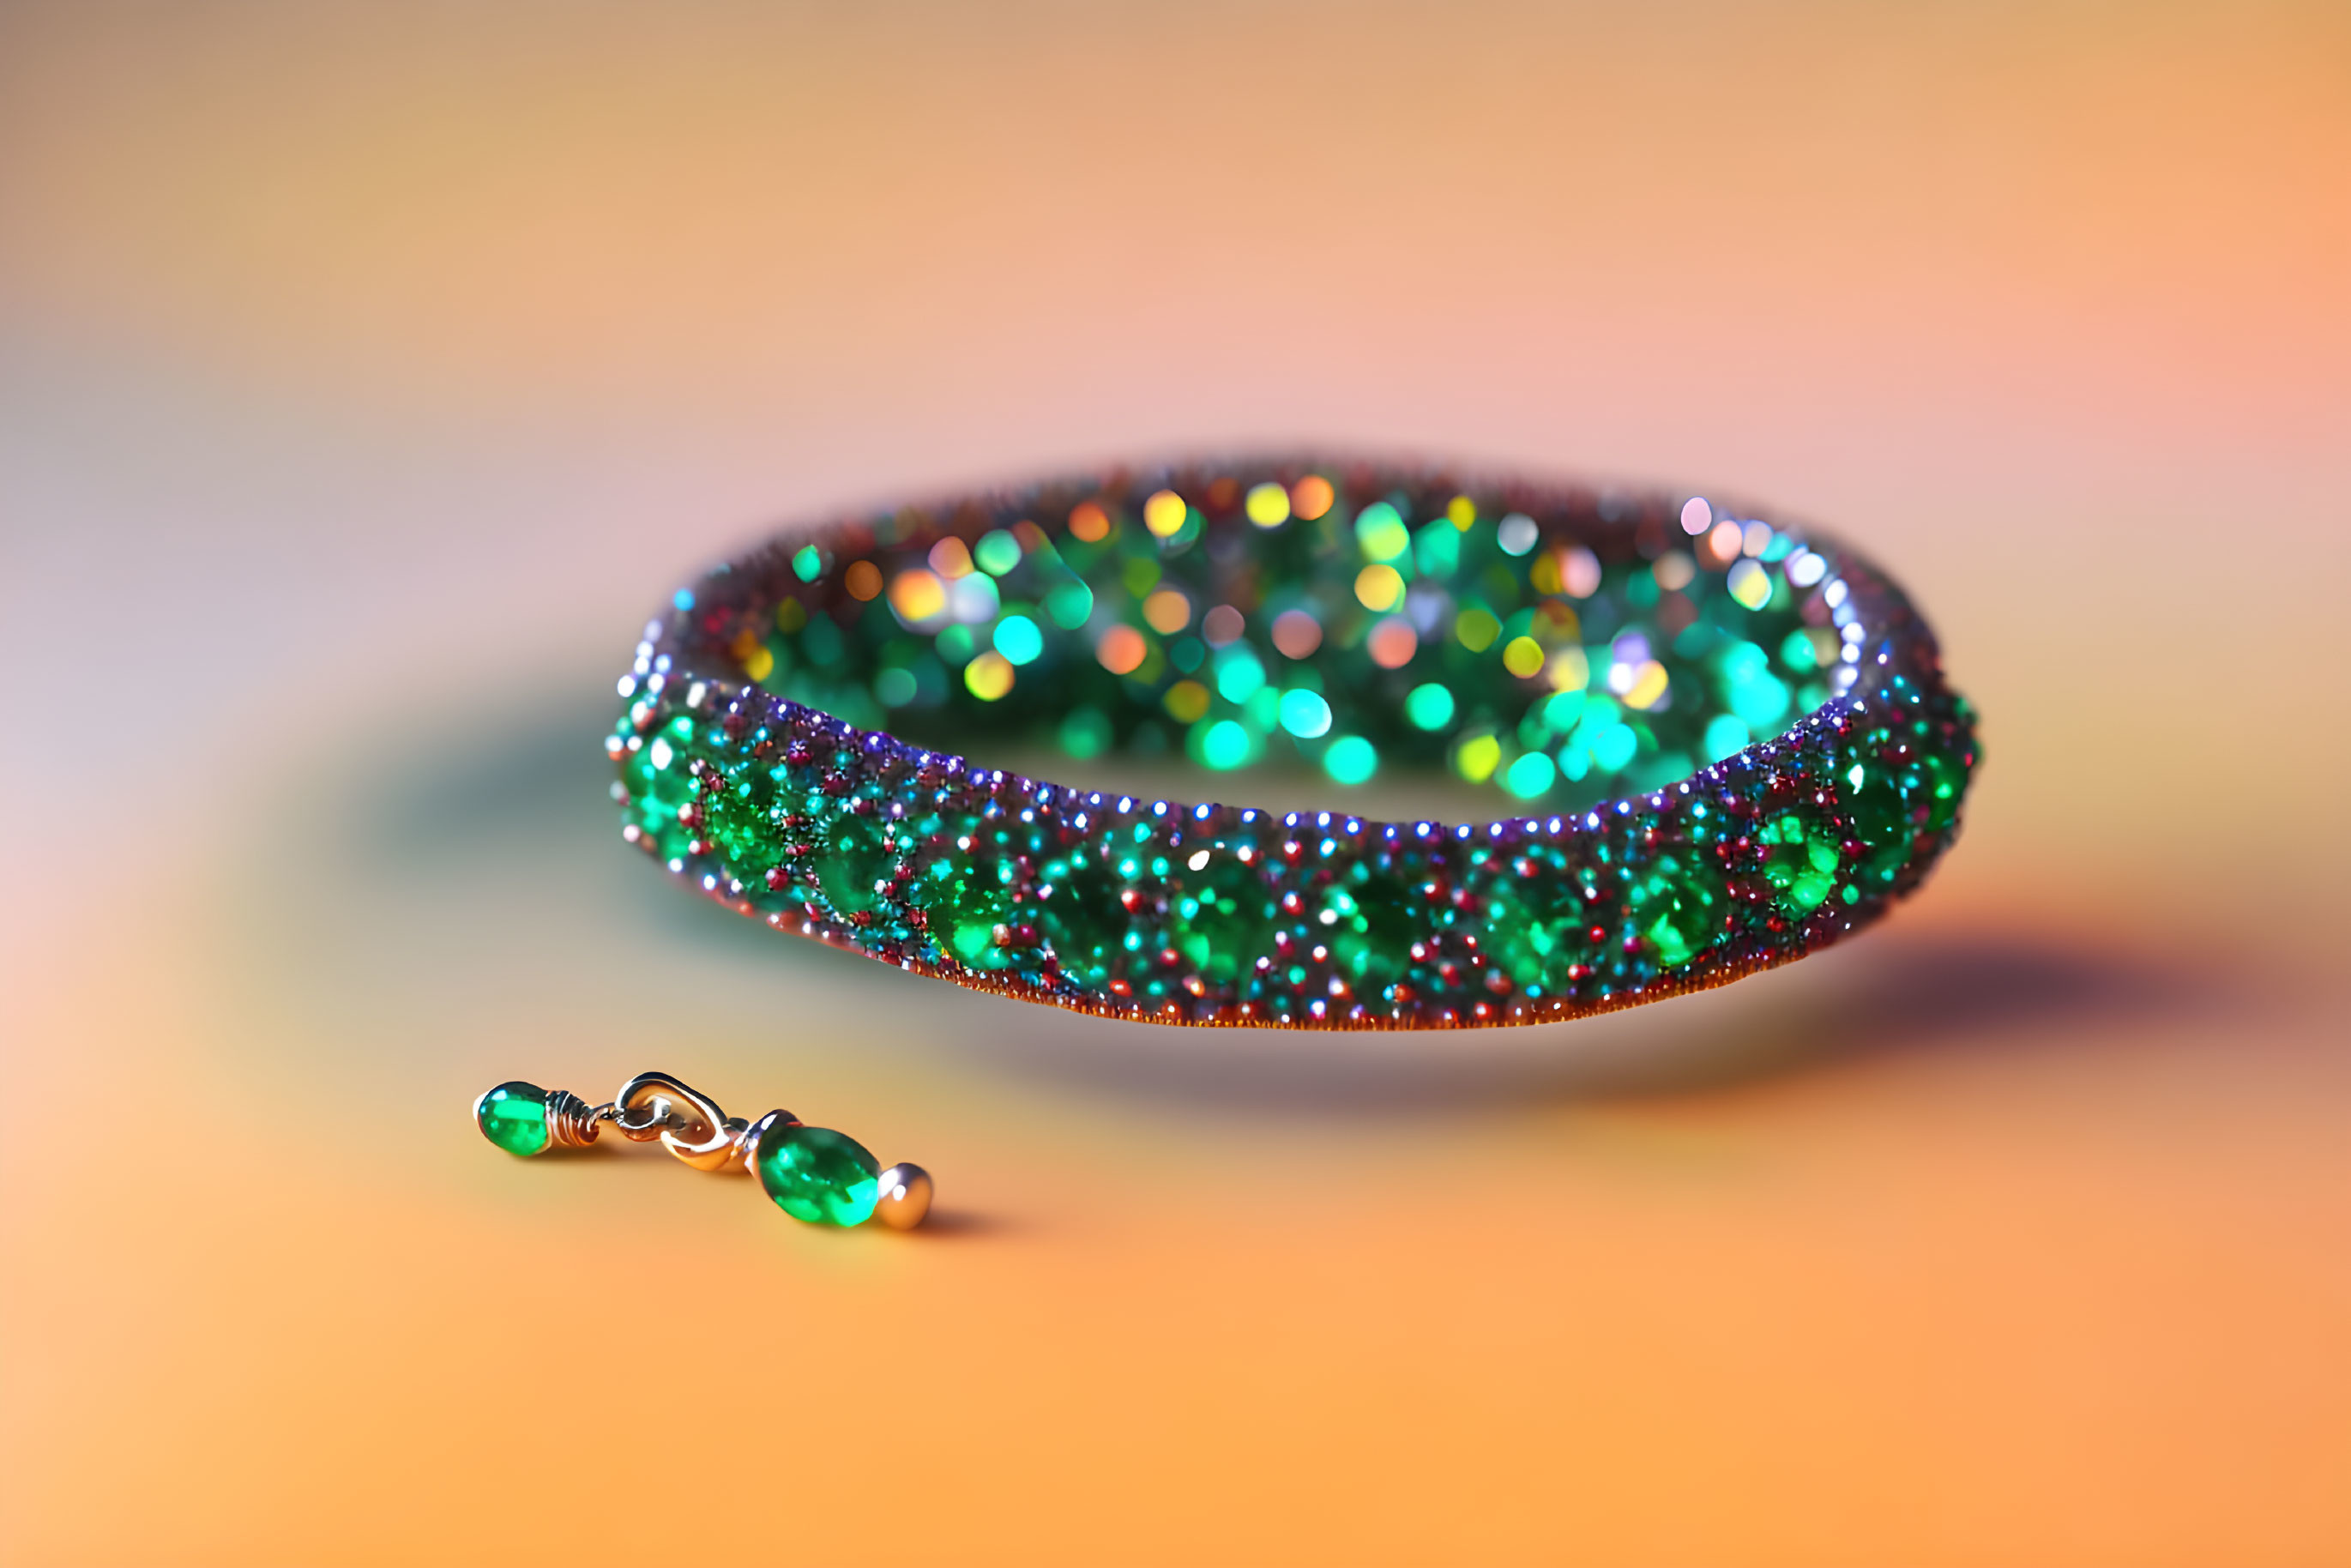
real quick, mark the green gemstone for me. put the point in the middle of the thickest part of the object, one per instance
(1679, 908)
(742, 821)
(1371, 940)
(1540, 931)
(1947, 776)
(966, 903)
(816, 1174)
(1219, 916)
(1083, 921)
(1881, 818)
(851, 858)
(514, 1117)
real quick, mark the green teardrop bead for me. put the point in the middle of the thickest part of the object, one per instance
(514, 1117)
(819, 1175)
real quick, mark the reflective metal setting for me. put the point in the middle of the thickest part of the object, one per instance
(905, 1196)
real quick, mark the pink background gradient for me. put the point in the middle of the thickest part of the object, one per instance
(367, 374)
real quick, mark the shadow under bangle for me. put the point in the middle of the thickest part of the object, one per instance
(1717, 743)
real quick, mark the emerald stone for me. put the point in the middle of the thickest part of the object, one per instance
(1539, 929)
(1219, 916)
(742, 821)
(1947, 774)
(816, 1174)
(1679, 908)
(965, 904)
(514, 1117)
(1882, 819)
(1803, 868)
(851, 858)
(1082, 920)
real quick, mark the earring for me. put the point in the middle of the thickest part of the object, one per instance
(813, 1174)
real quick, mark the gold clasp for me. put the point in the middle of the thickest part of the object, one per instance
(688, 1123)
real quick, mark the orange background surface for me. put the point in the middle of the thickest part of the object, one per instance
(366, 373)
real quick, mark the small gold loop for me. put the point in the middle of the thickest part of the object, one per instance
(688, 1123)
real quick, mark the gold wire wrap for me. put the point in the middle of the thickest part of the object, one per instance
(571, 1121)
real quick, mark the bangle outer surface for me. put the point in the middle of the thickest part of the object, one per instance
(1208, 914)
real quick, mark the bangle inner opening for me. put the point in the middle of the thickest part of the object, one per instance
(1551, 652)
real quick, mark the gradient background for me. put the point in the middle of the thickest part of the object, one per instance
(366, 373)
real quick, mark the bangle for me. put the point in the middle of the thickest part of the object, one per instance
(1721, 743)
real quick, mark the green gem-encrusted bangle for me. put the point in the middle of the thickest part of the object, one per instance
(1715, 743)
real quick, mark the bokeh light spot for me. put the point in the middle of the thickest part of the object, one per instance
(1019, 639)
(1120, 650)
(1068, 604)
(1611, 745)
(1297, 633)
(1380, 587)
(1393, 642)
(918, 595)
(1579, 572)
(988, 677)
(1475, 629)
(1529, 776)
(1570, 670)
(951, 559)
(1311, 496)
(973, 598)
(997, 552)
(1239, 675)
(1163, 514)
(1648, 686)
(1350, 759)
(1085, 733)
(1430, 706)
(1268, 506)
(1226, 746)
(1167, 610)
(1381, 532)
(1750, 585)
(1187, 702)
(1305, 714)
